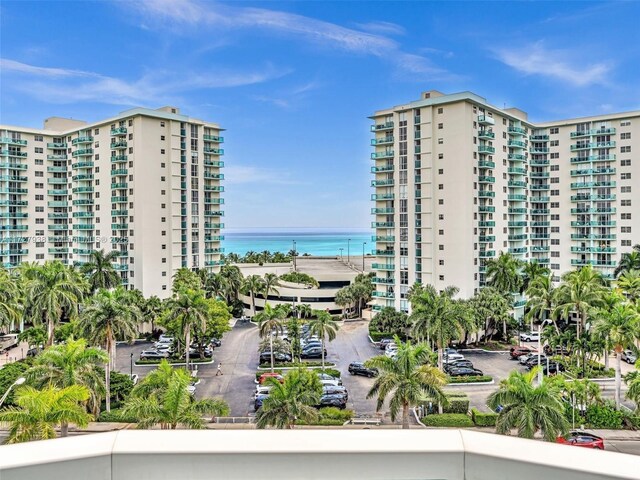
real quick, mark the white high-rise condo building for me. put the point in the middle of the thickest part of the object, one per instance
(145, 183)
(457, 181)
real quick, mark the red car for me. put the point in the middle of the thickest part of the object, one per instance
(582, 439)
(264, 376)
(516, 352)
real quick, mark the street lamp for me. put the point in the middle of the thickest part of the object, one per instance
(294, 255)
(131, 365)
(348, 252)
(341, 253)
(539, 353)
(363, 244)
(18, 381)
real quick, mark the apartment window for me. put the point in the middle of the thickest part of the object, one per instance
(626, 216)
(162, 151)
(626, 176)
(626, 189)
(553, 131)
(441, 110)
(440, 216)
(130, 123)
(441, 201)
(555, 155)
(39, 232)
(625, 163)
(440, 232)
(39, 161)
(39, 185)
(441, 186)
(163, 192)
(163, 219)
(440, 126)
(441, 277)
(440, 141)
(161, 137)
(164, 247)
(555, 229)
(625, 123)
(163, 233)
(39, 197)
(164, 287)
(164, 260)
(39, 256)
(39, 209)
(131, 178)
(555, 204)
(555, 254)
(504, 121)
(38, 138)
(626, 243)
(164, 274)
(131, 136)
(554, 143)
(130, 149)
(440, 171)
(555, 266)
(162, 124)
(555, 180)
(625, 136)
(40, 244)
(39, 150)
(440, 156)
(440, 247)
(39, 221)
(39, 174)
(555, 241)
(624, 203)
(625, 229)
(626, 149)
(555, 193)
(163, 205)
(555, 217)
(555, 168)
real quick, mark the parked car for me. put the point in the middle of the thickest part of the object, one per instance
(335, 390)
(165, 338)
(555, 351)
(382, 344)
(450, 351)
(391, 352)
(358, 368)
(257, 401)
(582, 439)
(328, 378)
(337, 400)
(553, 369)
(523, 359)
(265, 357)
(458, 364)
(313, 343)
(262, 390)
(464, 372)
(450, 357)
(264, 376)
(530, 336)
(533, 362)
(214, 342)
(629, 357)
(312, 352)
(153, 355)
(516, 352)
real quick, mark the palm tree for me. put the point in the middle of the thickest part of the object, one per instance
(580, 291)
(253, 284)
(529, 407)
(531, 271)
(191, 310)
(232, 282)
(629, 283)
(540, 301)
(37, 412)
(168, 402)
(109, 316)
(344, 298)
(269, 321)
(270, 283)
(99, 270)
(503, 273)
(324, 326)
(9, 300)
(152, 309)
(291, 400)
(407, 378)
(632, 380)
(304, 310)
(72, 363)
(629, 261)
(621, 326)
(52, 289)
(185, 279)
(490, 307)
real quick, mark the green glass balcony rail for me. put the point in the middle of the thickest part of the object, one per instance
(486, 135)
(213, 151)
(83, 214)
(13, 178)
(486, 179)
(378, 127)
(593, 158)
(213, 138)
(584, 210)
(486, 164)
(115, 186)
(12, 141)
(540, 224)
(486, 253)
(486, 120)
(385, 154)
(519, 223)
(57, 169)
(487, 224)
(119, 171)
(58, 226)
(384, 168)
(382, 224)
(586, 197)
(83, 226)
(538, 162)
(13, 215)
(119, 158)
(540, 211)
(517, 198)
(214, 238)
(54, 145)
(183, 172)
(58, 250)
(539, 138)
(213, 163)
(517, 183)
(82, 190)
(593, 223)
(58, 215)
(80, 140)
(539, 186)
(381, 141)
(14, 251)
(383, 253)
(214, 176)
(78, 165)
(377, 294)
(13, 153)
(383, 281)
(213, 188)
(593, 171)
(383, 238)
(213, 213)
(517, 171)
(213, 263)
(486, 194)
(118, 144)
(16, 228)
(57, 181)
(597, 263)
(383, 266)
(595, 131)
(516, 144)
(119, 131)
(486, 149)
(417, 179)
(382, 196)
(382, 183)
(539, 174)
(82, 251)
(57, 157)
(487, 238)
(14, 203)
(517, 130)
(587, 146)
(214, 201)
(183, 198)
(538, 150)
(593, 236)
(183, 145)
(83, 201)
(539, 248)
(381, 211)
(538, 236)
(13, 166)
(539, 199)
(120, 199)
(57, 203)
(14, 190)
(486, 208)
(593, 249)
(418, 193)
(417, 163)
(83, 152)
(518, 250)
(120, 266)
(517, 210)
(593, 184)
(213, 250)
(516, 157)
(119, 226)
(183, 185)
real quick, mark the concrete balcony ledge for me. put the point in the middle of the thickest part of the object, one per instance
(337, 454)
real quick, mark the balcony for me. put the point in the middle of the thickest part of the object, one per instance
(382, 141)
(539, 199)
(120, 185)
(539, 186)
(597, 263)
(518, 250)
(213, 201)
(486, 149)
(13, 215)
(588, 133)
(13, 153)
(539, 174)
(383, 266)
(118, 144)
(593, 249)
(119, 226)
(83, 214)
(82, 152)
(213, 176)
(517, 198)
(516, 144)
(382, 196)
(593, 210)
(486, 135)
(486, 194)
(385, 154)
(13, 178)
(213, 213)
(13, 141)
(593, 236)
(383, 239)
(57, 203)
(540, 248)
(57, 181)
(14, 203)
(83, 190)
(383, 253)
(14, 190)
(517, 223)
(383, 211)
(586, 197)
(516, 210)
(380, 127)
(80, 140)
(486, 164)
(594, 223)
(517, 184)
(83, 201)
(57, 157)
(382, 183)
(486, 120)
(213, 138)
(58, 226)
(538, 150)
(83, 226)
(593, 171)
(213, 163)
(517, 171)
(487, 238)
(16, 228)
(78, 165)
(593, 158)
(384, 168)
(382, 224)
(58, 250)
(487, 224)
(539, 138)
(486, 209)
(486, 179)
(213, 238)
(58, 191)
(58, 215)
(55, 145)
(517, 157)
(14, 251)
(213, 151)
(577, 185)
(538, 236)
(383, 281)
(587, 146)
(119, 131)
(13, 166)
(486, 253)
(377, 294)
(119, 158)
(57, 169)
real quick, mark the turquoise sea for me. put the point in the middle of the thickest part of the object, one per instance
(316, 242)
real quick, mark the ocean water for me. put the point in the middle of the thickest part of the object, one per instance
(314, 243)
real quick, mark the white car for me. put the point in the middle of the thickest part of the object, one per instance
(165, 338)
(452, 357)
(530, 337)
(629, 357)
(262, 390)
(391, 352)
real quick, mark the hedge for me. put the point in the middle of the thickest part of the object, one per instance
(377, 336)
(456, 405)
(115, 416)
(604, 416)
(172, 361)
(481, 419)
(292, 364)
(331, 416)
(471, 379)
(456, 420)
(329, 371)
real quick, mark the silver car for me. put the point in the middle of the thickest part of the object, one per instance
(629, 357)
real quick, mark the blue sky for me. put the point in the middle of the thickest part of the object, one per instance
(294, 82)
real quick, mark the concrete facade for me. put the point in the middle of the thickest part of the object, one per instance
(457, 181)
(145, 183)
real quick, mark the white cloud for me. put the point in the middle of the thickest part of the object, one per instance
(8, 65)
(242, 174)
(383, 28)
(536, 59)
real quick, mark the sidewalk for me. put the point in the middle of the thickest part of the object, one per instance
(622, 435)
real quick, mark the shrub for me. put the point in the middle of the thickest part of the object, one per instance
(115, 416)
(456, 405)
(329, 371)
(303, 364)
(604, 416)
(9, 374)
(172, 361)
(333, 413)
(481, 419)
(456, 420)
(471, 379)
(299, 277)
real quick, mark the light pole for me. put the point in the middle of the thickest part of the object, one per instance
(348, 251)
(131, 365)
(341, 253)
(539, 366)
(18, 381)
(294, 255)
(363, 244)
